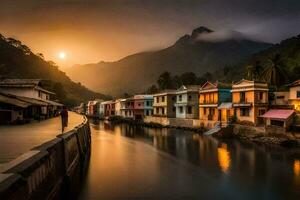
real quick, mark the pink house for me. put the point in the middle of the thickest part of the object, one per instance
(109, 108)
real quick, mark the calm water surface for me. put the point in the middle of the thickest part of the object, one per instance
(129, 162)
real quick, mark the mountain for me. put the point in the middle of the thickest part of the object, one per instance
(17, 61)
(202, 51)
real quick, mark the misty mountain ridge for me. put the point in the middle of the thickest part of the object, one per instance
(202, 51)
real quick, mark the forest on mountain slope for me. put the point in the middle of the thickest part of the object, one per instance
(18, 61)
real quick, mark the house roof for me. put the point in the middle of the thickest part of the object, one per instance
(189, 87)
(12, 100)
(217, 85)
(295, 83)
(32, 101)
(278, 114)
(23, 83)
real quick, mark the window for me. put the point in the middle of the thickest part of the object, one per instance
(174, 109)
(139, 105)
(242, 97)
(180, 98)
(156, 110)
(277, 123)
(163, 111)
(147, 103)
(298, 94)
(147, 112)
(40, 94)
(157, 99)
(261, 112)
(280, 97)
(173, 98)
(204, 111)
(180, 109)
(163, 99)
(189, 110)
(190, 97)
(244, 112)
(261, 95)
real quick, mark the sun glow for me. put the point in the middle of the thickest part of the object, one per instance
(62, 55)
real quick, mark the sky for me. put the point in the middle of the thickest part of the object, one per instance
(90, 31)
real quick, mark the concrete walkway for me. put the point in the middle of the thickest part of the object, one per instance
(18, 139)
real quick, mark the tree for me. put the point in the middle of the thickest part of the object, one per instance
(152, 89)
(274, 73)
(188, 78)
(254, 72)
(165, 81)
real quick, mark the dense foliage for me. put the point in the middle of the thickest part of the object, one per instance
(18, 61)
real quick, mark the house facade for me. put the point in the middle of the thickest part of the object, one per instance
(31, 91)
(143, 106)
(211, 95)
(250, 100)
(127, 108)
(187, 102)
(163, 104)
(109, 108)
(294, 95)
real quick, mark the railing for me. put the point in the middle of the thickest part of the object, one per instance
(47, 170)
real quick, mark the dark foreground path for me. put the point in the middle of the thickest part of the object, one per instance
(16, 140)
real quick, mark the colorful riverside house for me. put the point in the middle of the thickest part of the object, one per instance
(109, 108)
(163, 104)
(118, 105)
(143, 106)
(212, 95)
(187, 102)
(127, 108)
(294, 98)
(250, 100)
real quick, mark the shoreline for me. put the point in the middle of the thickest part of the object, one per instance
(227, 133)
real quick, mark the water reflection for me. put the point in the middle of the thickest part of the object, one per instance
(224, 157)
(256, 170)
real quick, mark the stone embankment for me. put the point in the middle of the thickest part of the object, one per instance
(52, 170)
(257, 135)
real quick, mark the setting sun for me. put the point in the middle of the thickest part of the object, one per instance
(62, 55)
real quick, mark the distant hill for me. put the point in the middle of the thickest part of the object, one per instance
(17, 61)
(202, 51)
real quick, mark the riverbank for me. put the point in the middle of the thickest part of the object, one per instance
(118, 120)
(257, 135)
(241, 132)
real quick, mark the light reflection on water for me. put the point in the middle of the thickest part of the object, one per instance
(257, 170)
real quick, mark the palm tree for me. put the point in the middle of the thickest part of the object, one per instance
(274, 73)
(165, 81)
(254, 71)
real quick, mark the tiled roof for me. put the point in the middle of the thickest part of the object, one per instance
(278, 114)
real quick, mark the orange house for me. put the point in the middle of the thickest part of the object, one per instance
(211, 96)
(250, 100)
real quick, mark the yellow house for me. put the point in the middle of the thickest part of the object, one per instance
(294, 96)
(211, 96)
(163, 104)
(250, 100)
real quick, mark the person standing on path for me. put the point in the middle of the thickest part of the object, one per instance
(64, 118)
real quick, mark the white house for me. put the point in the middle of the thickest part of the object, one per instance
(187, 102)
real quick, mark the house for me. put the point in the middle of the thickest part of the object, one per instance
(278, 121)
(127, 108)
(281, 99)
(211, 96)
(93, 108)
(118, 105)
(143, 106)
(163, 104)
(294, 97)
(250, 100)
(109, 108)
(32, 90)
(187, 102)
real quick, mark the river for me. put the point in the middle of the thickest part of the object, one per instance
(144, 163)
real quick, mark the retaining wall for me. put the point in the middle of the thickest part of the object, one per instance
(52, 170)
(189, 123)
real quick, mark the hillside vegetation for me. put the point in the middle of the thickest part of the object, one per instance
(18, 61)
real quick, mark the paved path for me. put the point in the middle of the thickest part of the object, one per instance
(18, 139)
